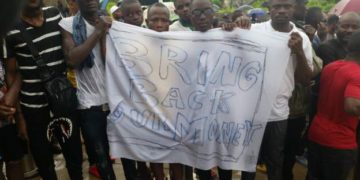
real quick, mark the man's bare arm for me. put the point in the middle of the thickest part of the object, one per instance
(303, 72)
(352, 106)
(75, 55)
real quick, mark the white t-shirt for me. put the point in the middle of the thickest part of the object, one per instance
(177, 26)
(90, 81)
(280, 109)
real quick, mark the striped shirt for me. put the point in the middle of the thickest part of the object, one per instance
(47, 40)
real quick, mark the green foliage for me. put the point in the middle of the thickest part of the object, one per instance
(217, 2)
(325, 5)
(226, 10)
(110, 4)
(258, 3)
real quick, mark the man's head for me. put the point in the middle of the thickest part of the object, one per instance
(158, 17)
(182, 9)
(88, 8)
(132, 12)
(332, 23)
(116, 12)
(281, 11)
(300, 10)
(314, 17)
(32, 6)
(348, 24)
(202, 15)
(354, 45)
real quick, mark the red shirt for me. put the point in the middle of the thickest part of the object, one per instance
(332, 126)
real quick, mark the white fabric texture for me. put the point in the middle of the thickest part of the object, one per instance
(177, 26)
(90, 81)
(280, 110)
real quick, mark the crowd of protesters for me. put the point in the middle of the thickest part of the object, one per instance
(315, 114)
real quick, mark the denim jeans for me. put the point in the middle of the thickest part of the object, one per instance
(36, 124)
(93, 125)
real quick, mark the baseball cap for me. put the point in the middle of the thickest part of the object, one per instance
(113, 9)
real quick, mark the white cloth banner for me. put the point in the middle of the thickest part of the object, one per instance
(200, 99)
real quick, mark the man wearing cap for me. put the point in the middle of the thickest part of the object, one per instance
(116, 13)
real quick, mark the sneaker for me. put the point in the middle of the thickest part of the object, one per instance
(93, 171)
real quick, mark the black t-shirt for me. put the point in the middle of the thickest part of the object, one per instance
(47, 40)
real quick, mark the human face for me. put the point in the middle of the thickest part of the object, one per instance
(133, 14)
(88, 7)
(319, 19)
(299, 11)
(117, 14)
(347, 26)
(202, 15)
(281, 11)
(182, 9)
(158, 19)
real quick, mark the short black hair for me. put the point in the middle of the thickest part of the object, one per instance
(333, 19)
(354, 43)
(194, 1)
(157, 4)
(175, 2)
(311, 14)
(127, 2)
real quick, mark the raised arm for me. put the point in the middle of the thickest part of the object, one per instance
(75, 55)
(303, 72)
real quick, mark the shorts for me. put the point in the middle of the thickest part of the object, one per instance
(11, 146)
